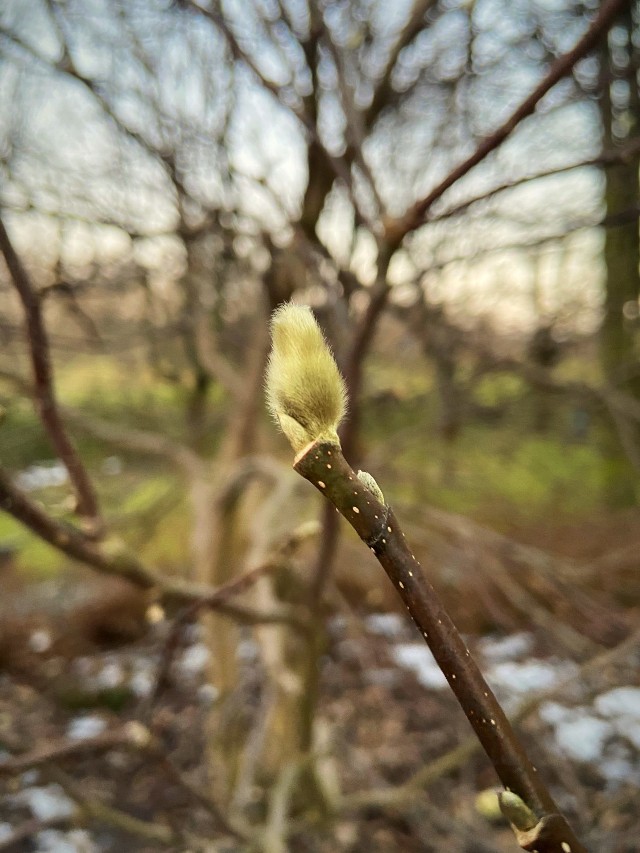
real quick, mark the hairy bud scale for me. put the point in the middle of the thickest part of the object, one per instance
(305, 391)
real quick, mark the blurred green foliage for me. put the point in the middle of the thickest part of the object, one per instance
(498, 470)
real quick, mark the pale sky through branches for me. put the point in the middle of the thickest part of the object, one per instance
(166, 77)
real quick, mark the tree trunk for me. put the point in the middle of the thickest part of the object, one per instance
(618, 334)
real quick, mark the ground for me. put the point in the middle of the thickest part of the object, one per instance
(383, 707)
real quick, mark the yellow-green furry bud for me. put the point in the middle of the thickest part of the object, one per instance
(305, 392)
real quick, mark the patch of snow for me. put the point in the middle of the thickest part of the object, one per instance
(583, 736)
(142, 683)
(207, 694)
(418, 658)
(553, 713)
(40, 641)
(620, 702)
(496, 649)
(111, 675)
(247, 651)
(41, 476)
(47, 803)
(56, 841)
(337, 623)
(29, 778)
(619, 769)
(86, 727)
(513, 677)
(390, 625)
(194, 659)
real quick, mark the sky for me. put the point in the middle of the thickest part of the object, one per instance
(165, 75)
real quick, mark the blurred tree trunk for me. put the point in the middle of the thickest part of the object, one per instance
(620, 111)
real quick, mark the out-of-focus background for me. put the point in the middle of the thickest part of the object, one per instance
(171, 172)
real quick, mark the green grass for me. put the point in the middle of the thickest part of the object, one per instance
(34, 557)
(491, 471)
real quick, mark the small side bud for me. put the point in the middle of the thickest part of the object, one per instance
(516, 811)
(305, 392)
(366, 478)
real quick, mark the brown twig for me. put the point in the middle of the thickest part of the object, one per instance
(189, 613)
(94, 809)
(325, 467)
(45, 398)
(607, 158)
(113, 560)
(339, 165)
(132, 735)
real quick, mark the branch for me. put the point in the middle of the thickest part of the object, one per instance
(622, 408)
(462, 754)
(137, 440)
(362, 338)
(94, 809)
(29, 828)
(383, 90)
(112, 559)
(67, 67)
(131, 734)
(46, 403)
(324, 466)
(397, 230)
(68, 539)
(305, 393)
(607, 158)
(220, 598)
(339, 165)
(613, 220)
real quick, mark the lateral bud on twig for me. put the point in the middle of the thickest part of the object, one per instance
(305, 392)
(366, 478)
(516, 811)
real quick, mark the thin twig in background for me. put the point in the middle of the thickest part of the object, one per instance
(44, 392)
(131, 735)
(560, 68)
(111, 559)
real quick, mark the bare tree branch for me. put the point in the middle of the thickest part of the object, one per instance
(131, 735)
(606, 158)
(383, 90)
(323, 465)
(396, 231)
(45, 399)
(112, 559)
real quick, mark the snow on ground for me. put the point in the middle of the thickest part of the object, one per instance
(605, 731)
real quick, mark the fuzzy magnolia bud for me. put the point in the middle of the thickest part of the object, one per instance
(305, 392)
